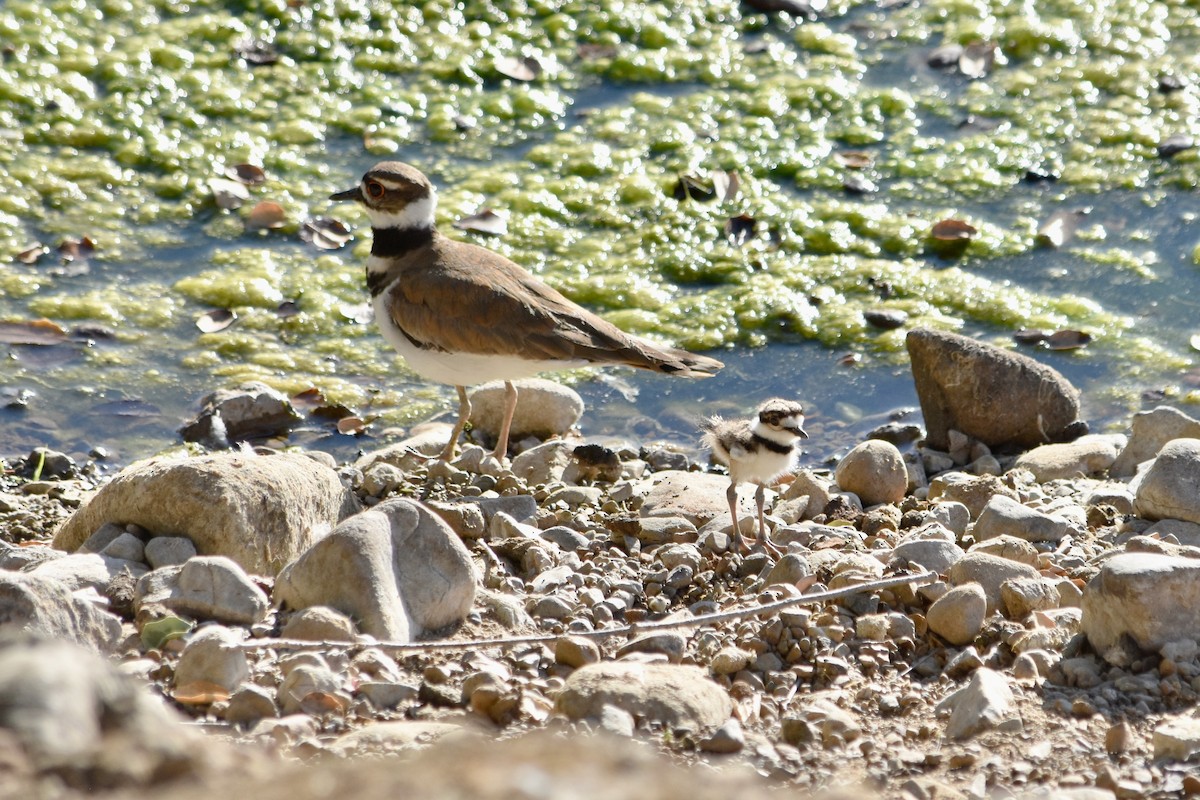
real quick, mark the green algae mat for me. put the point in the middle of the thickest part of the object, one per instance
(700, 172)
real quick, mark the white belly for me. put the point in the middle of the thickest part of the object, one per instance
(762, 466)
(459, 369)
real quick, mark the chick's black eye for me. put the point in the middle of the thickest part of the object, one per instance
(375, 189)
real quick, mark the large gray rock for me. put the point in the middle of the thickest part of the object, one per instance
(985, 703)
(41, 605)
(1170, 488)
(73, 713)
(213, 655)
(1150, 431)
(958, 615)
(397, 569)
(1004, 516)
(698, 497)
(990, 572)
(875, 471)
(1088, 455)
(996, 396)
(1148, 597)
(205, 587)
(678, 697)
(84, 570)
(544, 409)
(261, 511)
(935, 554)
(251, 411)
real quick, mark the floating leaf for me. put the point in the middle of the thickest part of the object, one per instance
(76, 249)
(326, 233)
(1029, 336)
(200, 693)
(977, 59)
(726, 184)
(1171, 82)
(256, 52)
(351, 426)
(157, 633)
(739, 229)
(35, 332)
(216, 320)
(228, 194)
(288, 308)
(484, 221)
(266, 215)
(249, 174)
(850, 360)
(690, 187)
(952, 230)
(361, 313)
(1060, 227)
(1068, 340)
(309, 398)
(719, 184)
(31, 254)
(859, 184)
(1175, 144)
(592, 51)
(519, 69)
(887, 319)
(854, 159)
(945, 56)
(1042, 172)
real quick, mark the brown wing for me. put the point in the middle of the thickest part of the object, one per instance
(478, 301)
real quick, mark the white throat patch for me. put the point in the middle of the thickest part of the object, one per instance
(413, 217)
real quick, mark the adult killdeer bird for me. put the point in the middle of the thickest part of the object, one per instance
(758, 452)
(461, 314)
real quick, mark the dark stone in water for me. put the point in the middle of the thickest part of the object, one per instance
(996, 396)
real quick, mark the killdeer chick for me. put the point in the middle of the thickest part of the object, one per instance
(461, 315)
(757, 451)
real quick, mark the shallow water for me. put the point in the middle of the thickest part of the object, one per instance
(121, 112)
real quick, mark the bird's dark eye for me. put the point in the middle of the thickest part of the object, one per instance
(375, 189)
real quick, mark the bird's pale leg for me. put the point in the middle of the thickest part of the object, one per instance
(760, 499)
(510, 408)
(731, 496)
(464, 414)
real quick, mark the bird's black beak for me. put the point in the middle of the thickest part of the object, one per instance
(349, 195)
(797, 430)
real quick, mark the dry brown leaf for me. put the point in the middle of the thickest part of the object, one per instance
(484, 221)
(216, 320)
(267, 215)
(977, 59)
(228, 194)
(249, 174)
(952, 230)
(36, 332)
(1060, 227)
(740, 229)
(351, 426)
(1068, 340)
(519, 69)
(31, 254)
(326, 233)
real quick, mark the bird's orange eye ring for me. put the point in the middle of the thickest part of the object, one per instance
(375, 189)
